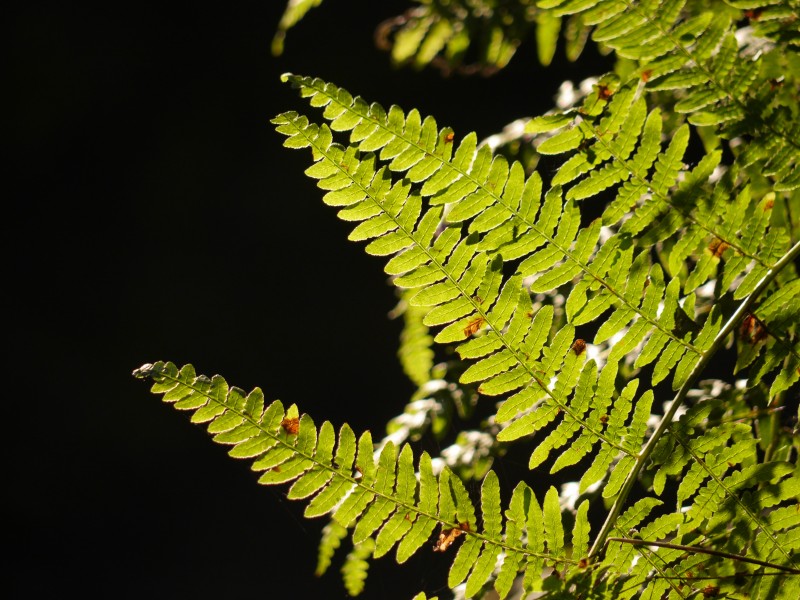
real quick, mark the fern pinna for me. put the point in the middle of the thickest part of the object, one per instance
(499, 264)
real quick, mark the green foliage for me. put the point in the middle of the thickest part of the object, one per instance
(382, 501)
(294, 12)
(499, 273)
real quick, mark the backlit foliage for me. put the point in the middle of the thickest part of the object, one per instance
(591, 335)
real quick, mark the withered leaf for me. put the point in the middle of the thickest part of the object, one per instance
(448, 536)
(291, 426)
(474, 326)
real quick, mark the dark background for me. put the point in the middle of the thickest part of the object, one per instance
(155, 216)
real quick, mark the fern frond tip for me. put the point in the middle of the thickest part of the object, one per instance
(145, 371)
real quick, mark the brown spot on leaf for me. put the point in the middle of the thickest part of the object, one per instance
(710, 591)
(752, 330)
(718, 247)
(291, 426)
(474, 326)
(578, 347)
(754, 14)
(603, 91)
(646, 74)
(449, 138)
(604, 419)
(768, 205)
(276, 469)
(583, 563)
(448, 536)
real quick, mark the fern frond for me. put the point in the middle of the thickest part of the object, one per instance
(459, 280)
(768, 338)
(384, 503)
(457, 276)
(293, 13)
(415, 352)
(658, 204)
(446, 35)
(356, 565)
(714, 506)
(329, 543)
(726, 76)
(708, 223)
(498, 265)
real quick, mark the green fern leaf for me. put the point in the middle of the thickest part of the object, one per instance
(354, 569)
(580, 531)
(382, 507)
(425, 522)
(553, 528)
(350, 507)
(331, 540)
(356, 494)
(492, 528)
(535, 528)
(514, 530)
(317, 477)
(465, 559)
(684, 261)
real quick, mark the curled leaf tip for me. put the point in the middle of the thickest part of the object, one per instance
(144, 371)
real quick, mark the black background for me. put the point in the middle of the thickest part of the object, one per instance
(154, 215)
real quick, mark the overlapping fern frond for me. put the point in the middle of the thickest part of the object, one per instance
(723, 62)
(467, 36)
(456, 221)
(382, 502)
(293, 13)
(495, 216)
(501, 267)
(720, 74)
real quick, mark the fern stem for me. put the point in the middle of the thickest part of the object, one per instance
(666, 420)
(776, 404)
(701, 550)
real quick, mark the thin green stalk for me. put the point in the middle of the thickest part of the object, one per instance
(666, 420)
(709, 551)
